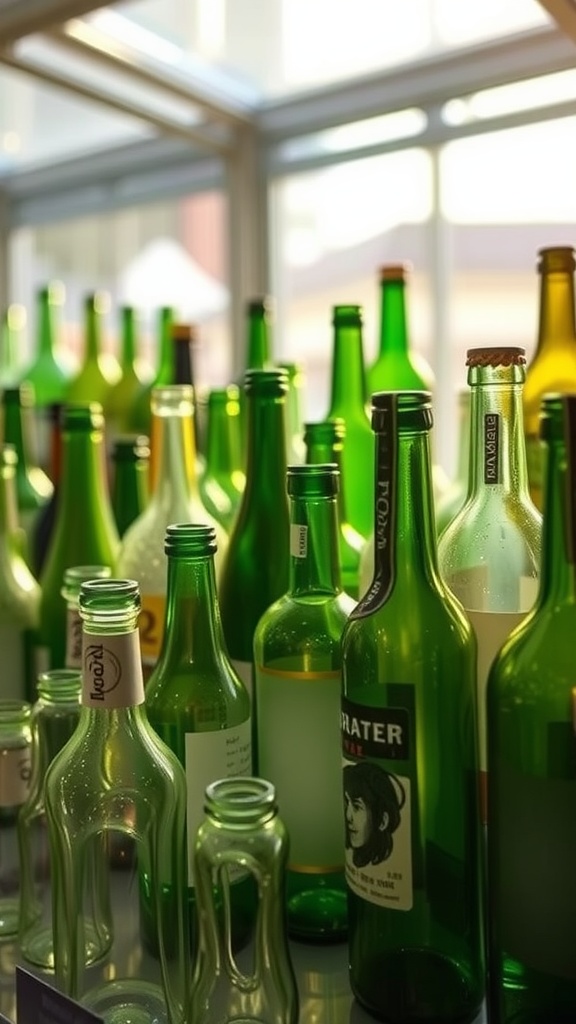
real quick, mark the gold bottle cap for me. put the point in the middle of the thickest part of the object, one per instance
(555, 259)
(499, 355)
(394, 271)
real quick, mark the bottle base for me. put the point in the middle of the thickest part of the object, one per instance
(318, 916)
(139, 1002)
(416, 987)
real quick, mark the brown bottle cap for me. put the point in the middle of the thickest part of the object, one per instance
(394, 271)
(556, 258)
(184, 332)
(499, 355)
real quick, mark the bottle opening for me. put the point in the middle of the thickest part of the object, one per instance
(313, 480)
(241, 800)
(413, 409)
(82, 417)
(556, 259)
(266, 382)
(190, 539)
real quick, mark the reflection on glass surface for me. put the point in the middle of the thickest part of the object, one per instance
(40, 123)
(371, 131)
(505, 99)
(282, 46)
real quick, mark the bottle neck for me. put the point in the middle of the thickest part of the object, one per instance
(93, 334)
(46, 327)
(176, 478)
(164, 372)
(349, 390)
(404, 532)
(222, 443)
(128, 339)
(558, 565)
(556, 316)
(266, 450)
(193, 631)
(314, 558)
(84, 482)
(319, 452)
(497, 455)
(17, 431)
(8, 508)
(258, 354)
(393, 318)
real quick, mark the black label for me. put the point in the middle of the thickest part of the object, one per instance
(491, 448)
(40, 1003)
(384, 513)
(382, 733)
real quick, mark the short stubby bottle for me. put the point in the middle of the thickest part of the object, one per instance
(15, 771)
(298, 676)
(116, 775)
(197, 703)
(409, 742)
(531, 711)
(241, 830)
(489, 555)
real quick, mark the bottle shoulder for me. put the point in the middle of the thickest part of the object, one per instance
(535, 664)
(180, 690)
(303, 624)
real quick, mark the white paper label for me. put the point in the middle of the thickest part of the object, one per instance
(212, 755)
(298, 540)
(112, 670)
(15, 768)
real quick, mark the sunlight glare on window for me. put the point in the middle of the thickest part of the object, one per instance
(505, 99)
(458, 23)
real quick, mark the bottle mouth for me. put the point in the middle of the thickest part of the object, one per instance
(552, 416)
(172, 400)
(273, 382)
(347, 316)
(556, 259)
(327, 432)
(186, 540)
(313, 480)
(60, 685)
(242, 800)
(82, 417)
(413, 410)
(111, 600)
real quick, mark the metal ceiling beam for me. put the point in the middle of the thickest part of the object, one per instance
(433, 80)
(20, 18)
(89, 41)
(209, 138)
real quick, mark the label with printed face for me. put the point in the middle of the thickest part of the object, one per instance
(15, 770)
(377, 804)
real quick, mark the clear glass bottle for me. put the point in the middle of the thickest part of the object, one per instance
(348, 399)
(242, 830)
(455, 496)
(135, 786)
(140, 419)
(553, 366)
(324, 443)
(129, 489)
(531, 837)
(409, 741)
(195, 700)
(489, 555)
(54, 718)
(19, 592)
(298, 681)
(256, 565)
(223, 480)
(174, 499)
(15, 769)
(84, 531)
(74, 577)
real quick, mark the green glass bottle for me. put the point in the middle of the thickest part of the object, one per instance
(223, 480)
(295, 446)
(48, 373)
(124, 393)
(19, 593)
(452, 501)
(298, 681)
(15, 761)
(258, 351)
(410, 754)
(489, 555)
(256, 565)
(44, 523)
(12, 345)
(242, 828)
(100, 370)
(33, 486)
(141, 414)
(175, 498)
(324, 443)
(553, 365)
(129, 489)
(348, 402)
(195, 700)
(397, 366)
(531, 756)
(135, 787)
(84, 532)
(531, 838)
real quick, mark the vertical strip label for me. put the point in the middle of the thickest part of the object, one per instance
(491, 448)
